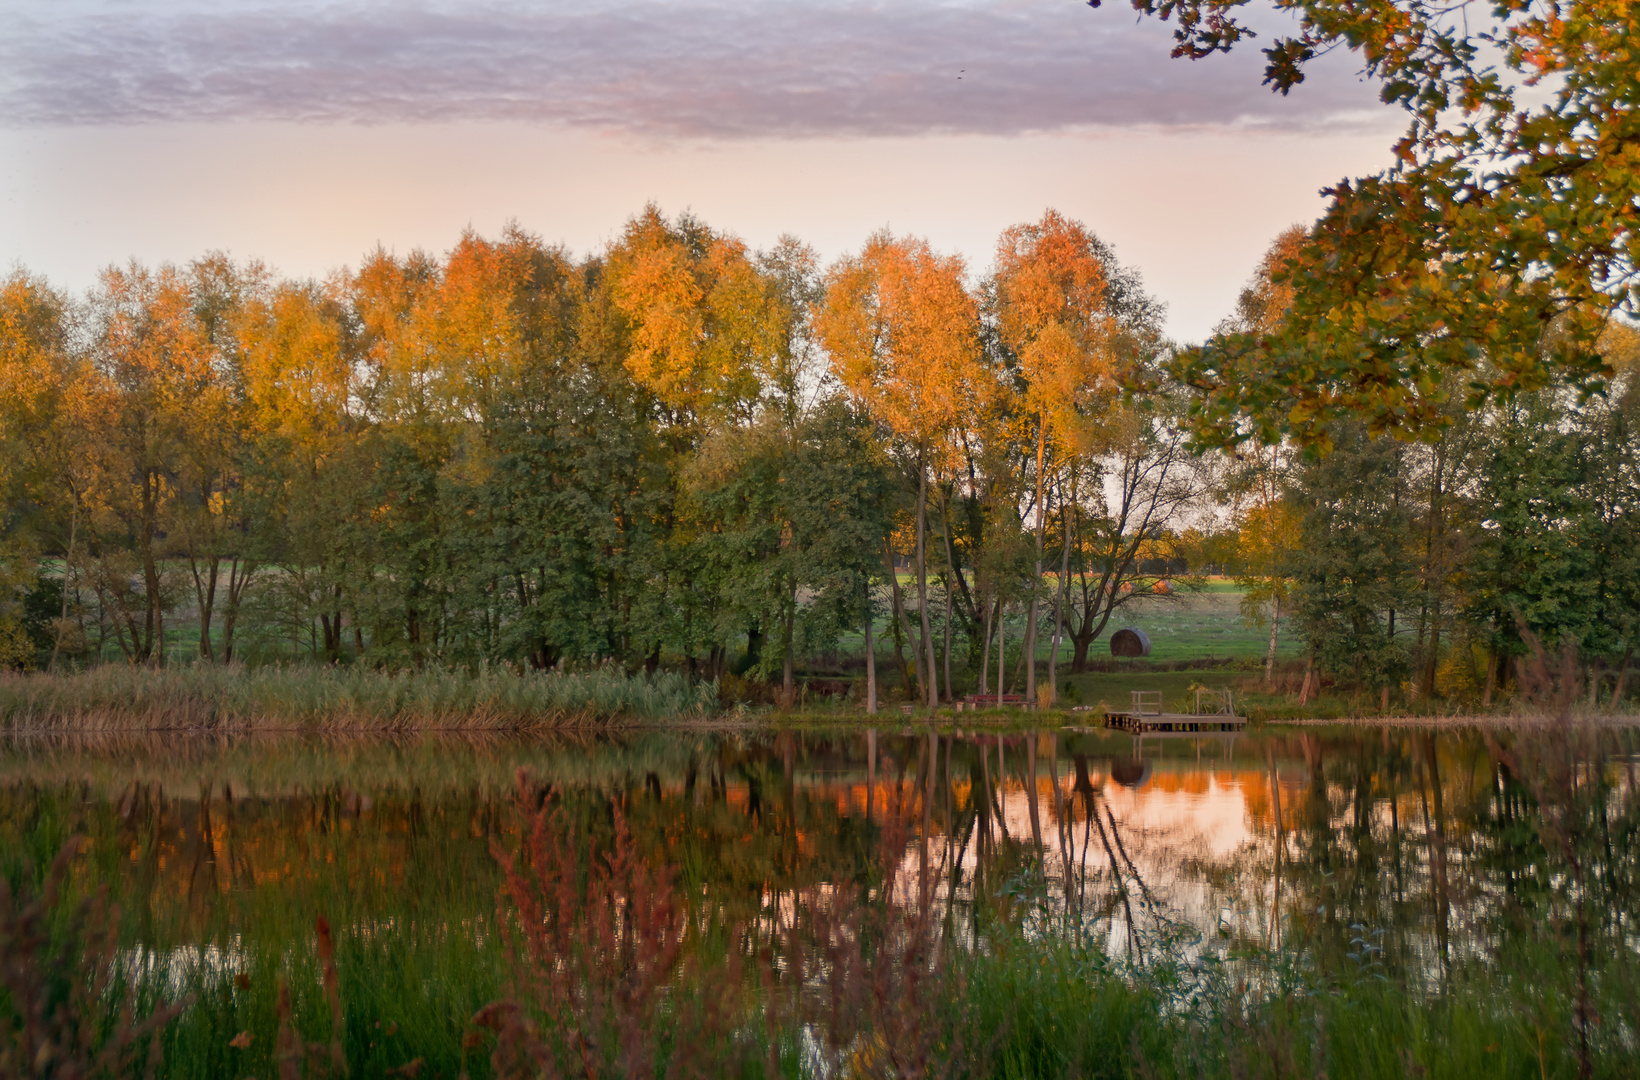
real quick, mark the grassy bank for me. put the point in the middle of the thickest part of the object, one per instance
(351, 699)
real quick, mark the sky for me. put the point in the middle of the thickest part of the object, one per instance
(307, 132)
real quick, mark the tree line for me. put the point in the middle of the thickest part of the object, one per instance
(680, 451)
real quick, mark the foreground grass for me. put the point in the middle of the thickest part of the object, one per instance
(1020, 1006)
(1004, 982)
(203, 697)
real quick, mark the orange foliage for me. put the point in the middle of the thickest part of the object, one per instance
(902, 331)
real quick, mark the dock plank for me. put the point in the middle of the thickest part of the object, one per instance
(1145, 723)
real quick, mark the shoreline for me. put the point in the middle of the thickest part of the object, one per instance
(590, 726)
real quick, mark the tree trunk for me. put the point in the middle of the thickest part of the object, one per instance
(788, 683)
(985, 656)
(948, 696)
(933, 691)
(1079, 654)
(239, 577)
(68, 556)
(1309, 672)
(1002, 652)
(871, 661)
(1433, 654)
(1270, 657)
(1059, 595)
(901, 624)
(963, 602)
(153, 630)
(1036, 579)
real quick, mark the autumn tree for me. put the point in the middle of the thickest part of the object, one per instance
(1254, 480)
(709, 332)
(43, 465)
(210, 517)
(1053, 308)
(1489, 259)
(902, 331)
(305, 399)
(161, 390)
(1121, 507)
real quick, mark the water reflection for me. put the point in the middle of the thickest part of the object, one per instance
(1423, 845)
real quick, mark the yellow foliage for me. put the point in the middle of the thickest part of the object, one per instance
(1052, 312)
(1460, 672)
(902, 331)
(707, 327)
(1620, 347)
(16, 647)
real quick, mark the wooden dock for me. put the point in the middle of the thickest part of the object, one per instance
(1179, 723)
(1214, 712)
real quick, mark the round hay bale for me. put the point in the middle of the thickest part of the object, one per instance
(1129, 642)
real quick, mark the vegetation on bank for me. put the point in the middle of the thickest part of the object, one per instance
(341, 699)
(680, 453)
(346, 700)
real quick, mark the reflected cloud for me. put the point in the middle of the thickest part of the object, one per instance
(653, 69)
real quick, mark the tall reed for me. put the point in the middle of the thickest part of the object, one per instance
(205, 698)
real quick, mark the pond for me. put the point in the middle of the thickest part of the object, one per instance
(1417, 858)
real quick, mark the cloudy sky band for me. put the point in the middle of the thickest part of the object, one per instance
(836, 68)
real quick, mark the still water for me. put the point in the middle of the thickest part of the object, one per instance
(1409, 849)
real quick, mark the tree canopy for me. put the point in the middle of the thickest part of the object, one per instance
(1487, 260)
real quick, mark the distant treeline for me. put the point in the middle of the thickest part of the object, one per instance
(682, 452)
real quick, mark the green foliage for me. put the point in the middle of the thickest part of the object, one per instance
(1351, 567)
(1533, 556)
(504, 456)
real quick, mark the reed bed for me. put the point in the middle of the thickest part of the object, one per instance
(339, 700)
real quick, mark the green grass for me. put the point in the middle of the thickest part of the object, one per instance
(1017, 1006)
(1199, 626)
(1113, 688)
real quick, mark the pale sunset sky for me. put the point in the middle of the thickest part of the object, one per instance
(306, 132)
